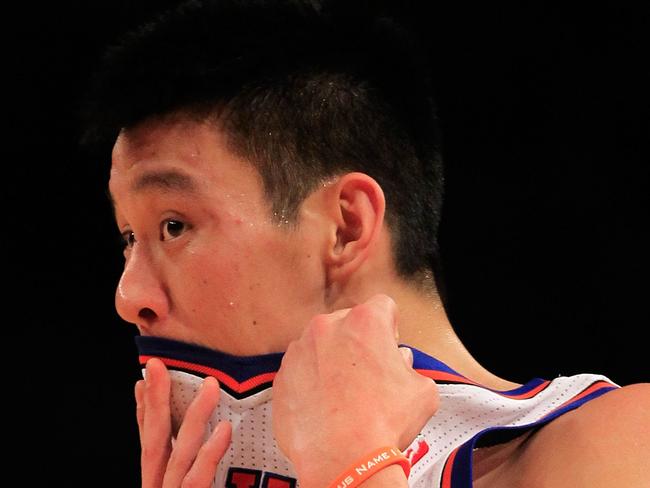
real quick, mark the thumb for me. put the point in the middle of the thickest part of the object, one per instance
(407, 355)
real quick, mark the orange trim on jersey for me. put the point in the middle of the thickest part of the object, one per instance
(446, 376)
(446, 471)
(222, 377)
(598, 385)
(527, 394)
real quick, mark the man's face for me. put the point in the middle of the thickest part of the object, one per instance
(204, 260)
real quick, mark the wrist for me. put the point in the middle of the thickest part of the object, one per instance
(391, 476)
(359, 472)
(321, 462)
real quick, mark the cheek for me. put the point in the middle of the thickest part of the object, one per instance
(287, 266)
(248, 270)
(209, 280)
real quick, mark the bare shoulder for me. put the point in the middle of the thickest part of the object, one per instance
(603, 443)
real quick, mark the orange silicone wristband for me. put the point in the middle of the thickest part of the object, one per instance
(370, 464)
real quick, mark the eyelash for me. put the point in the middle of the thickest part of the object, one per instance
(128, 237)
(169, 221)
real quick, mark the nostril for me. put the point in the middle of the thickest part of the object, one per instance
(147, 314)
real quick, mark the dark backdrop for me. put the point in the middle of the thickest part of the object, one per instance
(544, 236)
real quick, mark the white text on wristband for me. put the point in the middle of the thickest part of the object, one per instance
(368, 465)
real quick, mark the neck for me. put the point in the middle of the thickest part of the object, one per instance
(423, 324)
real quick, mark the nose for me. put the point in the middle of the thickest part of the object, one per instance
(140, 297)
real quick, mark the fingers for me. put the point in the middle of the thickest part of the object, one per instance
(388, 306)
(378, 311)
(139, 407)
(156, 424)
(191, 435)
(407, 355)
(191, 461)
(204, 468)
(384, 302)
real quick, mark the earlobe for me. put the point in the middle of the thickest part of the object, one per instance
(358, 204)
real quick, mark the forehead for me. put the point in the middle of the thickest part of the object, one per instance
(174, 154)
(179, 139)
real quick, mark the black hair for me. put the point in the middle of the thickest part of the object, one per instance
(304, 90)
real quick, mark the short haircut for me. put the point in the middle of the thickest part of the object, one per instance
(303, 90)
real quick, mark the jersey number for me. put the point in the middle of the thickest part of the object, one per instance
(253, 478)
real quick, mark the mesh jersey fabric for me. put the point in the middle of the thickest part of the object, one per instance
(470, 416)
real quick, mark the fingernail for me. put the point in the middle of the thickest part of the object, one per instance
(407, 354)
(218, 430)
(147, 372)
(206, 380)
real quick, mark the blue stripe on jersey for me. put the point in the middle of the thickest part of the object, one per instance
(424, 361)
(462, 470)
(243, 368)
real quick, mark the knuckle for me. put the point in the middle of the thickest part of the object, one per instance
(173, 461)
(427, 388)
(363, 313)
(289, 352)
(319, 320)
(319, 325)
(190, 481)
(288, 358)
(152, 453)
(371, 316)
(431, 397)
(384, 302)
(384, 299)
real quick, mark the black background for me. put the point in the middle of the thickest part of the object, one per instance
(544, 235)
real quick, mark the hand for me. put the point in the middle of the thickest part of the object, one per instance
(189, 461)
(344, 389)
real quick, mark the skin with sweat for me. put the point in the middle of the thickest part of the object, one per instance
(205, 263)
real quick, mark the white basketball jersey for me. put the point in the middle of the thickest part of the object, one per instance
(470, 415)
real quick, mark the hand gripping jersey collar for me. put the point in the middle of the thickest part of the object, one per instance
(470, 415)
(242, 376)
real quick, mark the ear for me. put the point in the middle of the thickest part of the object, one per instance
(357, 206)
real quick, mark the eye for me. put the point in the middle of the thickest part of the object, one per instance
(128, 239)
(170, 229)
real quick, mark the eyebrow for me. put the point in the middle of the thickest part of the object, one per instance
(166, 181)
